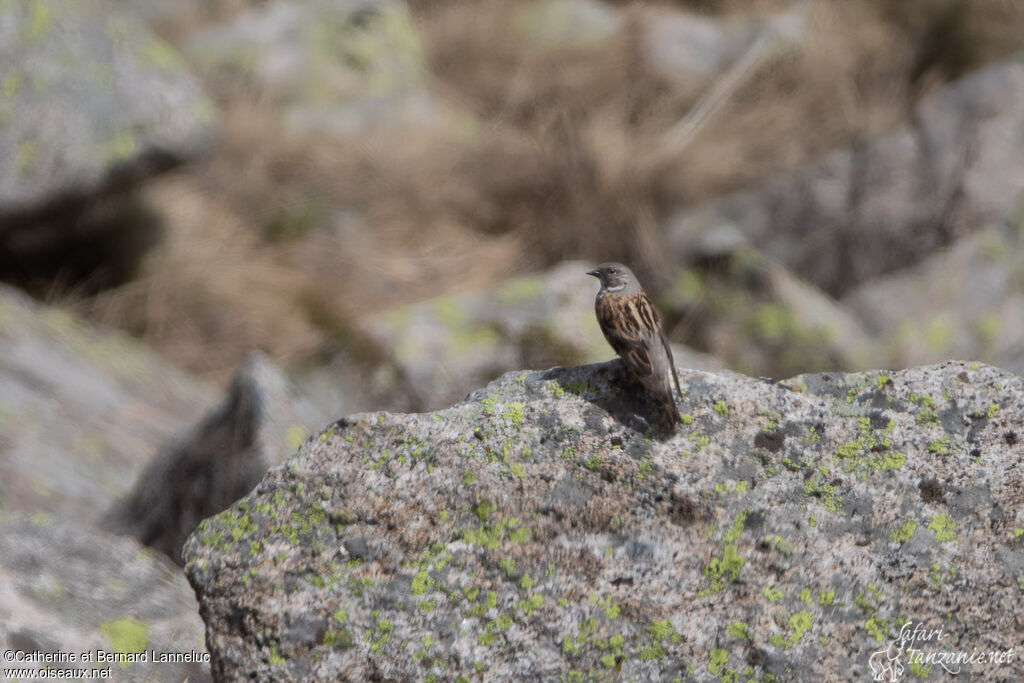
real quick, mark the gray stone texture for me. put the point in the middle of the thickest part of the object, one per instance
(537, 532)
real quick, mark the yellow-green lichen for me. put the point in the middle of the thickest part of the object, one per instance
(943, 527)
(25, 158)
(159, 54)
(126, 635)
(739, 629)
(938, 335)
(904, 532)
(869, 599)
(877, 628)
(830, 497)
(531, 604)
(658, 631)
(11, 84)
(554, 388)
(798, 624)
(422, 582)
(520, 290)
(717, 661)
(918, 669)
(720, 570)
(514, 413)
(40, 18)
(119, 148)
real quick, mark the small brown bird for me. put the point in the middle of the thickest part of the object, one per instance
(632, 326)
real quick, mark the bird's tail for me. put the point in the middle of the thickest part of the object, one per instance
(667, 413)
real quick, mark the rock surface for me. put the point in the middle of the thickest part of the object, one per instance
(961, 302)
(567, 22)
(878, 207)
(684, 46)
(762, 320)
(535, 532)
(90, 100)
(262, 419)
(82, 411)
(72, 589)
(340, 67)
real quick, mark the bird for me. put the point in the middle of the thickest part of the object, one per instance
(633, 328)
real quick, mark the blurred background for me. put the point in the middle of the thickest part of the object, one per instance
(379, 194)
(396, 201)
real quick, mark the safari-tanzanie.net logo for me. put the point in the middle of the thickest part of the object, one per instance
(919, 649)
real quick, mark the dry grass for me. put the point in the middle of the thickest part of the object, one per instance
(559, 161)
(211, 291)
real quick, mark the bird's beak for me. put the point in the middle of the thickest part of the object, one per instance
(594, 272)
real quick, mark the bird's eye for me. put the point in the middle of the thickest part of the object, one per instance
(611, 271)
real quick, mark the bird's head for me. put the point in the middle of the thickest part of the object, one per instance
(615, 277)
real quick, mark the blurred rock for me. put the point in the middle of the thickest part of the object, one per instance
(759, 318)
(260, 423)
(347, 382)
(81, 411)
(962, 302)
(787, 531)
(91, 102)
(683, 46)
(564, 23)
(71, 589)
(450, 344)
(888, 203)
(339, 67)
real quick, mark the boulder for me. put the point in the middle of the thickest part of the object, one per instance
(684, 46)
(262, 419)
(82, 411)
(537, 531)
(337, 67)
(91, 102)
(886, 203)
(964, 302)
(565, 23)
(68, 590)
(759, 318)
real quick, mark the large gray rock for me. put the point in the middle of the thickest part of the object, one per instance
(536, 532)
(964, 302)
(67, 588)
(563, 23)
(262, 419)
(90, 101)
(686, 47)
(82, 411)
(340, 67)
(877, 207)
(759, 318)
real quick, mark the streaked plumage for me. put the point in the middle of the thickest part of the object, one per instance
(632, 326)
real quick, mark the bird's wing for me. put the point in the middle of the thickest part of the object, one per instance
(629, 324)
